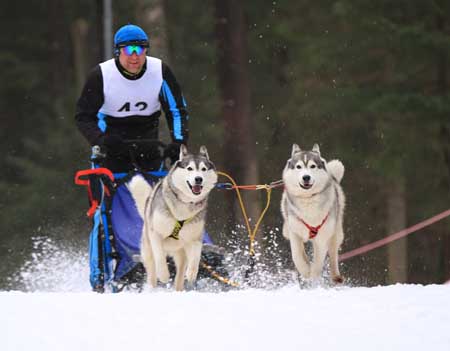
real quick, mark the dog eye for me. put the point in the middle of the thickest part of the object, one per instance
(313, 166)
(299, 167)
(203, 169)
(190, 168)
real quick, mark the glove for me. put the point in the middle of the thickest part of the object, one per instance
(172, 152)
(113, 143)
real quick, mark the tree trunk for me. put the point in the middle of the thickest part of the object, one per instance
(151, 15)
(443, 89)
(239, 139)
(59, 52)
(396, 220)
(79, 31)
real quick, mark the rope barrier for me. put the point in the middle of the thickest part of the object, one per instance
(395, 236)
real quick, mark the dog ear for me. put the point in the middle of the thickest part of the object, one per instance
(288, 164)
(295, 149)
(183, 151)
(204, 152)
(316, 148)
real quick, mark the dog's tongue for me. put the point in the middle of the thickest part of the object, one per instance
(196, 189)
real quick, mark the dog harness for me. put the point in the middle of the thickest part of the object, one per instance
(313, 231)
(176, 230)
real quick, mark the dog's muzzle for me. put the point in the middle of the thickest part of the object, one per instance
(197, 187)
(306, 182)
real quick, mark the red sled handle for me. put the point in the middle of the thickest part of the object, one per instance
(80, 180)
(92, 209)
(86, 172)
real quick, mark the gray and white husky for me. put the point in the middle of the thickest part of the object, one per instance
(312, 206)
(174, 217)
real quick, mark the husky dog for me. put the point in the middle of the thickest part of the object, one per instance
(312, 206)
(174, 217)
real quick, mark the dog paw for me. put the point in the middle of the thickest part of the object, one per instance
(163, 274)
(191, 274)
(179, 286)
(305, 273)
(338, 279)
(152, 281)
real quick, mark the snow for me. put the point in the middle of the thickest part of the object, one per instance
(56, 311)
(398, 317)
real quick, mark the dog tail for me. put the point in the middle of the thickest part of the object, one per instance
(140, 189)
(336, 169)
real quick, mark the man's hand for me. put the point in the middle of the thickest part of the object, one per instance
(113, 143)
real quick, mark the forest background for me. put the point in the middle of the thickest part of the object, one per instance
(366, 80)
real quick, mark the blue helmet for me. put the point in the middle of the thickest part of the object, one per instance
(130, 34)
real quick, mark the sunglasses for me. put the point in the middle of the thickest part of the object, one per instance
(130, 49)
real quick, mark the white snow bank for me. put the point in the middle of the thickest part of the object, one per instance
(398, 317)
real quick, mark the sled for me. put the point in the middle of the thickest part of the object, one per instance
(114, 240)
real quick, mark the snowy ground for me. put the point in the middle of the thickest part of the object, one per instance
(61, 314)
(399, 317)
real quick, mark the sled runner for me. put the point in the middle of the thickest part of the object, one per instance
(114, 242)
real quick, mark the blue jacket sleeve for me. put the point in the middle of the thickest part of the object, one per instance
(174, 107)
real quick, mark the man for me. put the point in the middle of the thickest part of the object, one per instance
(122, 100)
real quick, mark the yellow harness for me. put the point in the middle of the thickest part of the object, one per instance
(176, 230)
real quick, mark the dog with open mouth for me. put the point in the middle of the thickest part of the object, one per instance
(312, 206)
(174, 218)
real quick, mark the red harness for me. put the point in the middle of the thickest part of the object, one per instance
(313, 231)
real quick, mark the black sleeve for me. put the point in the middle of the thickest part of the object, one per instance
(174, 106)
(88, 105)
